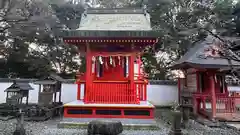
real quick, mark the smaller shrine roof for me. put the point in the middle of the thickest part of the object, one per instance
(16, 87)
(51, 79)
(57, 78)
(196, 57)
(44, 82)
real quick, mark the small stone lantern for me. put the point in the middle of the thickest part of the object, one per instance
(176, 120)
(20, 130)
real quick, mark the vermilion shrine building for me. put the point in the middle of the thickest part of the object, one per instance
(114, 85)
(204, 88)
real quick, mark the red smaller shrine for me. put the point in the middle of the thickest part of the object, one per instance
(114, 84)
(204, 88)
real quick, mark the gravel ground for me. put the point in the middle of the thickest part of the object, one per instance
(49, 128)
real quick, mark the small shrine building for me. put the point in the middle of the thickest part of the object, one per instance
(49, 87)
(17, 92)
(112, 41)
(204, 88)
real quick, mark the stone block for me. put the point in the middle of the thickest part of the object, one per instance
(185, 116)
(176, 123)
(20, 131)
(104, 127)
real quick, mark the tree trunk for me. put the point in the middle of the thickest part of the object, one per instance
(4, 4)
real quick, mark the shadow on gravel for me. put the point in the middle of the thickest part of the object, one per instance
(163, 115)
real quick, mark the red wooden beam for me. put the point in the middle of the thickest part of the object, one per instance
(78, 91)
(107, 54)
(213, 93)
(88, 73)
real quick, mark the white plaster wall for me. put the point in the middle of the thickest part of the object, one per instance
(162, 95)
(234, 88)
(159, 95)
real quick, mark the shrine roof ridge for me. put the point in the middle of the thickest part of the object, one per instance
(115, 11)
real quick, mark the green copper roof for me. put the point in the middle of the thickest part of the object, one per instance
(113, 23)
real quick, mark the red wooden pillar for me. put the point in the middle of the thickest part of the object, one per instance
(88, 73)
(195, 105)
(213, 93)
(78, 91)
(139, 69)
(145, 90)
(131, 78)
(204, 103)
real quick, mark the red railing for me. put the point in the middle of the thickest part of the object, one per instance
(110, 92)
(227, 104)
(115, 92)
(202, 102)
(139, 76)
(224, 103)
(141, 89)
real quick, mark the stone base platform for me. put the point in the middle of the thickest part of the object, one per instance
(79, 109)
(128, 124)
